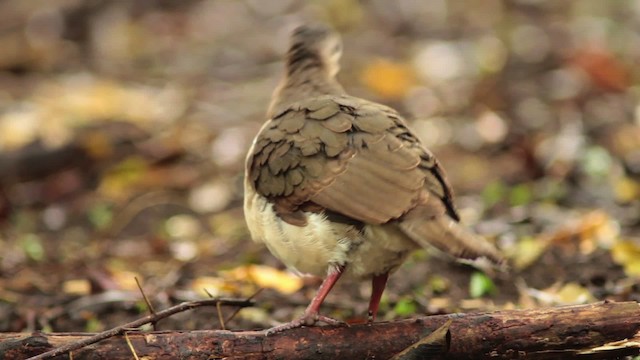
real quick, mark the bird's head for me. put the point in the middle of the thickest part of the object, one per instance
(317, 44)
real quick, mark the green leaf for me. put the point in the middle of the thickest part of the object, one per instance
(438, 284)
(141, 307)
(480, 285)
(520, 195)
(32, 246)
(596, 162)
(93, 325)
(493, 193)
(100, 216)
(405, 307)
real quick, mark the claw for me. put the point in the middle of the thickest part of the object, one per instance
(311, 315)
(310, 319)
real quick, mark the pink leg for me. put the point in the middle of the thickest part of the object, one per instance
(377, 288)
(323, 291)
(311, 314)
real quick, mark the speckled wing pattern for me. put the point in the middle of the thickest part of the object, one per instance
(347, 156)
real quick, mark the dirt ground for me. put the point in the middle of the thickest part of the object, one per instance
(124, 125)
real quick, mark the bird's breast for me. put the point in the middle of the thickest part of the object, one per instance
(321, 244)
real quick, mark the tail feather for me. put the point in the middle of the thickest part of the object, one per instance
(447, 235)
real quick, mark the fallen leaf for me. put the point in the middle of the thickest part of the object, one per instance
(627, 254)
(405, 307)
(438, 284)
(480, 285)
(626, 190)
(603, 68)
(573, 293)
(266, 277)
(567, 294)
(527, 251)
(32, 245)
(214, 286)
(388, 79)
(126, 280)
(76, 287)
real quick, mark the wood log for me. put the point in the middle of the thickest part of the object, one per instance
(602, 330)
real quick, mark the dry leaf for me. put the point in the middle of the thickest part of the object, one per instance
(527, 251)
(627, 254)
(76, 287)
(573, 293)
(213, 286)
(626, 190)
(388, 79)
(126, 280)
(602, 67)
(266, 277)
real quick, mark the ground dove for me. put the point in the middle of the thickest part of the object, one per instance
(340, 186)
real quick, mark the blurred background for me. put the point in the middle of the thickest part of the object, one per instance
(124, 126)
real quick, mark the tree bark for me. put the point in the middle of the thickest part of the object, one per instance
(597, 331)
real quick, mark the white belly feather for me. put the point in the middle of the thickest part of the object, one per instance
(322, 244)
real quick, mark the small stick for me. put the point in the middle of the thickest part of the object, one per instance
(146, 300)
(220, 317)
(133, 351)
(237, 310)
(218, 308)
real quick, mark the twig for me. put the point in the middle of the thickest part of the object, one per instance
(149, 305)
(133, 351)
(220, 317)
(137, 323)
(218, 309)
(146, 299)
(237, 310)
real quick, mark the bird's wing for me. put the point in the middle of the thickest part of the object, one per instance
(345, 156)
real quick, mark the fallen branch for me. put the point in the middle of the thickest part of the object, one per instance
(597, 331)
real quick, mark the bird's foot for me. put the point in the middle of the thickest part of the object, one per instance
(371, 317)
(308, 319)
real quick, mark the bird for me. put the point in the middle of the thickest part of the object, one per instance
(338, 186)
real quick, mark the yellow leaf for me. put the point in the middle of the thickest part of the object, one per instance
(632, 268)
(17, 129)
(527, 251)
(626, 190)
(388, 79)
(627, 254)
(598, 226)
(214, 286)
(119, 181)
(125, 279)
(593, 229)
(268, 277)
(572, 293)
(255, 314)
(439, 304)
(76, 287)
(98, 145)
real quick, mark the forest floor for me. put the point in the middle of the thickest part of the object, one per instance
(124, 125)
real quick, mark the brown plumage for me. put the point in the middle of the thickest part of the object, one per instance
(336, 184)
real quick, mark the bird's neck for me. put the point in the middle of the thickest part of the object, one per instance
(303, 79)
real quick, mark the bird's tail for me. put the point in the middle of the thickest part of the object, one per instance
(448, 236)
